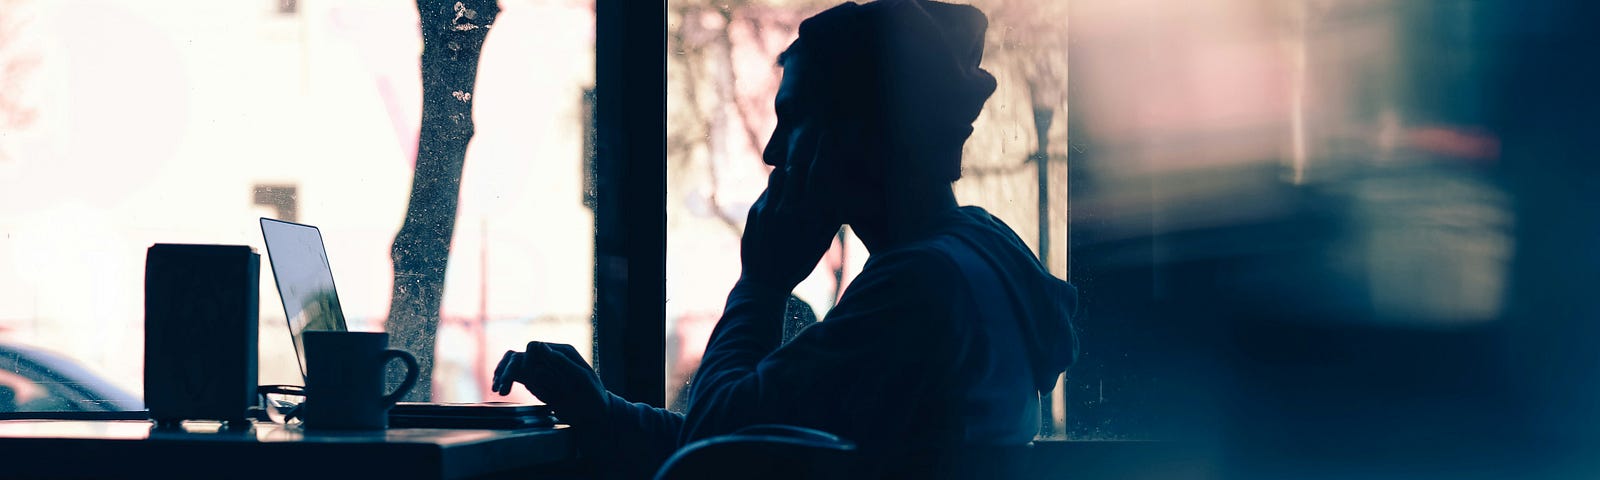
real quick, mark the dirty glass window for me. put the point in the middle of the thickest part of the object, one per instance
(126, 123)
(721, 82)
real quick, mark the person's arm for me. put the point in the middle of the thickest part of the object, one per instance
(634, 441)
(868, 349)
(628, 439)
(751, 327)
(785, 235)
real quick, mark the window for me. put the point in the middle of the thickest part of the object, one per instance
(1270, 205)
(130, 123)
(721, 84)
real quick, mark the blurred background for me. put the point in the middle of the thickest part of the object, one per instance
(1307, 227)
(1350, 236)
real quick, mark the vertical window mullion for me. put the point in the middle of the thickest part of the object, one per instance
(630, 198)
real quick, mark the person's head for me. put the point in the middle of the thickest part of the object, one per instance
(878, 99)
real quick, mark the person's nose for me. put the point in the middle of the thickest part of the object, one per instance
(777, 147)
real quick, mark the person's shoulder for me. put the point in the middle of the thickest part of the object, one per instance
(927, 257)
(922, 272)
(909, 296)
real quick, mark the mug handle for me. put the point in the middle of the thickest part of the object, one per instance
(411, 375)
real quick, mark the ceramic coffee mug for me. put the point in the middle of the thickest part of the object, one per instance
(344, 380)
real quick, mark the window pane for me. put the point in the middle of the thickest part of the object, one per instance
(721, 82)
(132, 123)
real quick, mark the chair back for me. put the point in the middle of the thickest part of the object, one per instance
(988, 462)
(777, 452)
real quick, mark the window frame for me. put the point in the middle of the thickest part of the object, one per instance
(630, 199)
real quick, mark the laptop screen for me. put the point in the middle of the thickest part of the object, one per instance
(305, 281)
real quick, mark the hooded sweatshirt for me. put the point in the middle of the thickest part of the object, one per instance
(942, 344)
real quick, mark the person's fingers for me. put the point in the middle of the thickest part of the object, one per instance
(513, 373)
(533, 346)
(554, 369)
(560, 366)
(571, 388)
(763, 204)
(564, 380)
(795, 183)
(776, 182)
(572, 375)
(509, 376)
(816, 166)
(494, 381)
(816, 208)
(500, 370)
(542, 372)
(569, 352)
(540, 353)
(536, 358)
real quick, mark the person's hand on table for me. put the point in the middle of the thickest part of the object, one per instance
(556, 374)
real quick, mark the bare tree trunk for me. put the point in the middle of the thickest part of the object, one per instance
(452, 40)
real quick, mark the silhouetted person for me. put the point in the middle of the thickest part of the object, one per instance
(943, 342)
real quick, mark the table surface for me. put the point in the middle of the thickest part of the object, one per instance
(126, 448)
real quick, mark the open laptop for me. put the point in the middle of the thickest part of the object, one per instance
(311, 303)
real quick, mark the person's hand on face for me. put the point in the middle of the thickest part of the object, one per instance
(556, 374)
(791, 225)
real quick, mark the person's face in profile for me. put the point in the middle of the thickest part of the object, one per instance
(824, 162)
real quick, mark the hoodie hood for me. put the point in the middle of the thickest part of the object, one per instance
(1045, 303)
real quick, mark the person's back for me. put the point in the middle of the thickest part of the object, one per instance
(937, 350)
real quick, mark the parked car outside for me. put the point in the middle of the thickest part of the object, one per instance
(38, 380)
